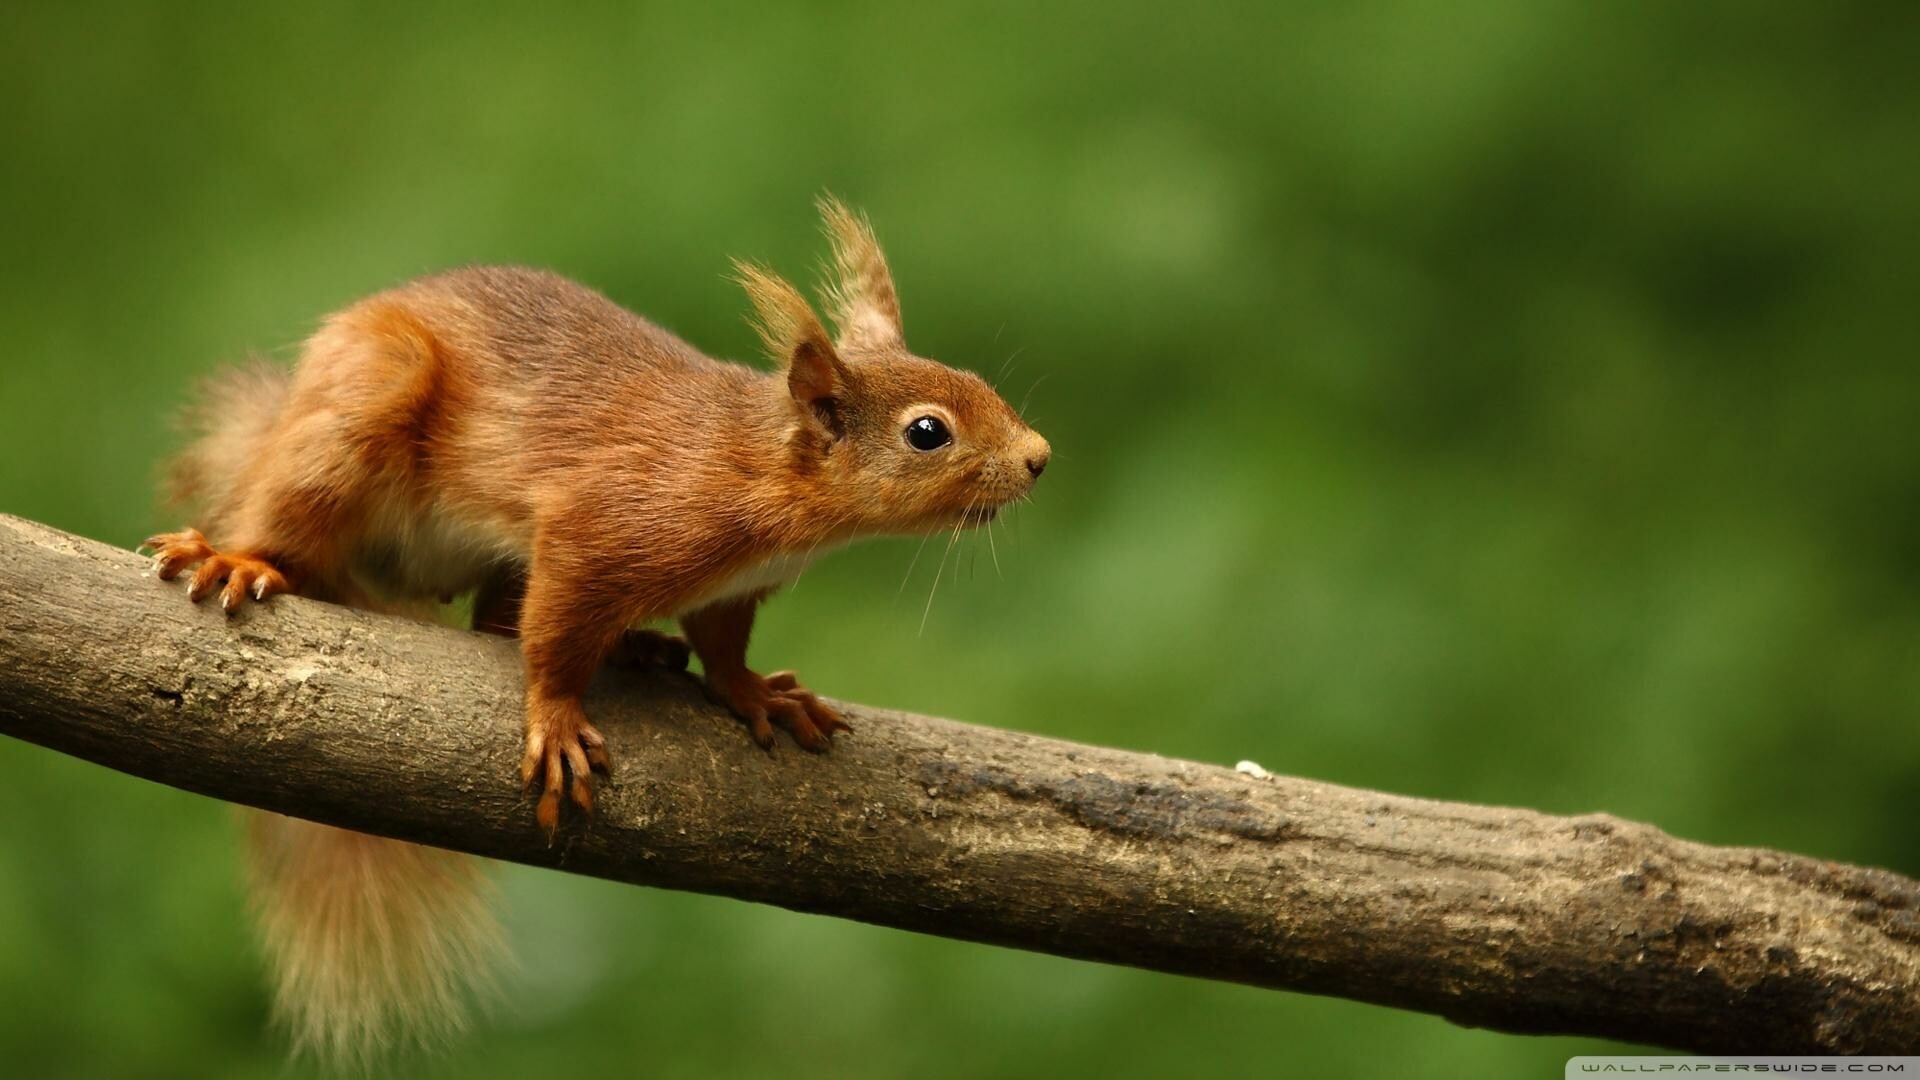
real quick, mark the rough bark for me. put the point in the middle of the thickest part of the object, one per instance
(1494, 917)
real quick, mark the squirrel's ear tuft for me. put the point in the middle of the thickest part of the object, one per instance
(860, 296)
(798, 343)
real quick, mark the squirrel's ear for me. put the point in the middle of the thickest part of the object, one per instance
(860, 296)
(798, 343)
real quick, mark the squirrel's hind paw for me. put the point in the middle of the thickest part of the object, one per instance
(175, 551)
(244, 575)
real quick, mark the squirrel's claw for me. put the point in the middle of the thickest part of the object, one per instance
(760, 727)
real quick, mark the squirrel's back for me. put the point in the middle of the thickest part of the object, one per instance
(424, 425)
(537, 325)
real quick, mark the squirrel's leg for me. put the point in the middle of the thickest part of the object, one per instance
(362, 404)
(286, 538)
(567, 627)
(718, 633)
(295, 483)
(496, 610)
(296, 505)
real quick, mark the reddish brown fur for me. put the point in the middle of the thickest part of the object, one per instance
(509, 431)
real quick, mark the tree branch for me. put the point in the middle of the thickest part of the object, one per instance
(1494, 917)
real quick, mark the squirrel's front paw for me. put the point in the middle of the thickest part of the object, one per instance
(778, 698)
(559, 742)
(245, 575)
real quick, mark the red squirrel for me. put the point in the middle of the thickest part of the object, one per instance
(583, 472)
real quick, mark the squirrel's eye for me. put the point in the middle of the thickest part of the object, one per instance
(928, 433)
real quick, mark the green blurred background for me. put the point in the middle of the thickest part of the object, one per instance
(1511, 402)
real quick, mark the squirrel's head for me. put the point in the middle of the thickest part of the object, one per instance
(896, 442)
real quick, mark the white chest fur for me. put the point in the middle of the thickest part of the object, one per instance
(429, 553)
(769, 573)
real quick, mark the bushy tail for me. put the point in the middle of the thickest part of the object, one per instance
(372, 943)
(229, 423)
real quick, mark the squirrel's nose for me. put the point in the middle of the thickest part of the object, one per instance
(1037, 454)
